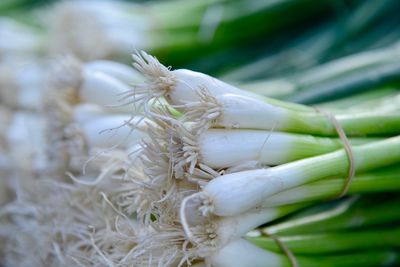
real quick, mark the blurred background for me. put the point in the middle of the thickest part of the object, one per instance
(271, 47)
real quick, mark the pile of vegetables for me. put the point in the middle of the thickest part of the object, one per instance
(275, 163)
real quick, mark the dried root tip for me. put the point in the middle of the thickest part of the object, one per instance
(156, 183)
(157, 150)
(203, 113)
(137, 193)
(151, 67)
(66, 79)
(177, 140)
(161, 80)
(206, 238)
(202, 175)
(207, 206)
(203, 235)
(162, 244)
(200, 201)
(186, 154)
(177, 144)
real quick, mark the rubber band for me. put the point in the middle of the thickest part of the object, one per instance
(292, 258)
(347, 148)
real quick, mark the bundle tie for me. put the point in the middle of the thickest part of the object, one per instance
(282, 246)
(347, 148)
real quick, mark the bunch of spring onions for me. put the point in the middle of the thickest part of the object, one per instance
(178, 169)
(105, 165)
(188, 166)
(225, 137)
(217, 162)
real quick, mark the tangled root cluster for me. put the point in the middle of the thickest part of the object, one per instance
(128, 212)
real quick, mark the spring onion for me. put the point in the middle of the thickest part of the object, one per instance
(333, 242)
(212, 101)
(385, 180)
(222, 148)
(234, 193)
(347, 214)
(88, 83)
(242, 253)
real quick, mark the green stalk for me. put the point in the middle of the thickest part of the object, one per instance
(366, 157)
(234, 193)
(387, 104)
(287, 105)
(349, 84)
(275, 63)
(365, 259)
(163, 104)
(382, 99)
(286, 116)
(305, 146)
(351, 64)
(363, 101)
(7, 6)
(347, 214)
(347, 74)
(333, 243)
(338, 38)
(230, 17)
(365, 17)
(386, 180)
(353, 124)
(243, 253)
